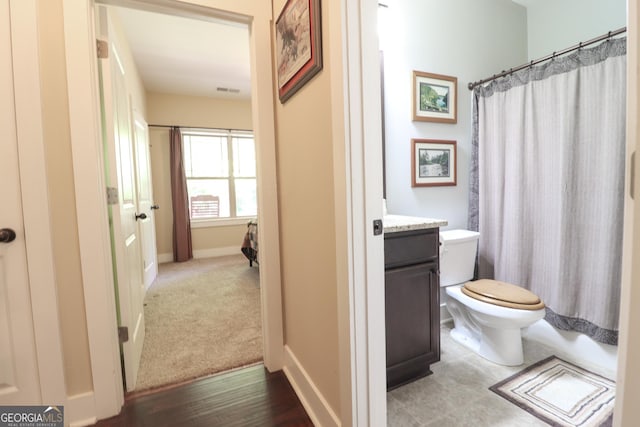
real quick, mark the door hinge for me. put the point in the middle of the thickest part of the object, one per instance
(102, 48)
(123, 334)
(112, 195)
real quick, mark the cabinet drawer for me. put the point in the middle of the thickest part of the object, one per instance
(410, 247)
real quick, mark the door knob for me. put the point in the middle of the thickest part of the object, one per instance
(7, 235)
(141, 216)
(155, 207)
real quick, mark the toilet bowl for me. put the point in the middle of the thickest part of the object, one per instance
(488, 315)
(491, 330)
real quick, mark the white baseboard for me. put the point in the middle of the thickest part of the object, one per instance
(164, 258)
(204, 253)
(80, 410)
(216, 252)
(313, 401)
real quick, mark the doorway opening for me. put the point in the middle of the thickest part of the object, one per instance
(161, 348)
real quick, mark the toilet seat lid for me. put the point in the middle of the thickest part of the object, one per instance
(502, 294)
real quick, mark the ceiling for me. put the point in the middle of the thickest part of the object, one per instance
(188, 56)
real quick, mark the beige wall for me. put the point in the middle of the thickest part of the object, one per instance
(194, 111)
(167, 109)
(305, 147)
(68, 274)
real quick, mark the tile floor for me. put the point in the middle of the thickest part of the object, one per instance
(457, 393)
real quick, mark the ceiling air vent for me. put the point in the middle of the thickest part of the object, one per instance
(226, 89)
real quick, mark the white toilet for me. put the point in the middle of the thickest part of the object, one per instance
(488, 315)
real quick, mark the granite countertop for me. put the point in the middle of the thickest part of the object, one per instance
(396, 223)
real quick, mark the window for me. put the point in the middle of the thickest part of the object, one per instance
(220, 167)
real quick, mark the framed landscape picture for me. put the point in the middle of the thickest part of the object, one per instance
(433, 163)
(435, 98)
(298, 45)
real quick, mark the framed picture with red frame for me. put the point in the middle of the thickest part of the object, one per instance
(298, 45)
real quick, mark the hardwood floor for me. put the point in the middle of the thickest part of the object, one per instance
(246, 397)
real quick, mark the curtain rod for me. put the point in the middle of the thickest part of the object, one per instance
(198, 127)
(548, 57)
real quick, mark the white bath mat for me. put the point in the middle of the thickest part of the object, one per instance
(561, 394)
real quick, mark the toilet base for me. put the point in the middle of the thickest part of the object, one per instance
(492, 337)
(508, 341)
(467, 341)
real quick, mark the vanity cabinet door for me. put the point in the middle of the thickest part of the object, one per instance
(412, 322)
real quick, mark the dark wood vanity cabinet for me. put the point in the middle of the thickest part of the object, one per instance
(412, 305)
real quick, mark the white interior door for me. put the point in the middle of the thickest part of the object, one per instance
(145, 200)
(131, 293)
(121, 173)
(19, 383)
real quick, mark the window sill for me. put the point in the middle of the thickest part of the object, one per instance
(221, 222)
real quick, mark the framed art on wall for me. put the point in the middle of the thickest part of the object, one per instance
(435, 98)
(298, 45)
(433, 163)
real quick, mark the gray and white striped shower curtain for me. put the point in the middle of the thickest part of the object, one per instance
(547, 182)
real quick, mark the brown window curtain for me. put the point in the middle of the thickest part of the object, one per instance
(182, 249)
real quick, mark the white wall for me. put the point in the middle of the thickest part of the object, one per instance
(557, 24)
(467, 39)
(470, 40)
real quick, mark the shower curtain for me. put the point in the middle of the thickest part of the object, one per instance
(547, 182)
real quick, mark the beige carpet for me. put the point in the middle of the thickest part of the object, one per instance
(202, 317)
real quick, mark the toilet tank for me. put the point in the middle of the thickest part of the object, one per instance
(458, 249)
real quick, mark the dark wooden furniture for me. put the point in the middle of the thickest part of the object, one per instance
(412, 306)
(250, 243)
